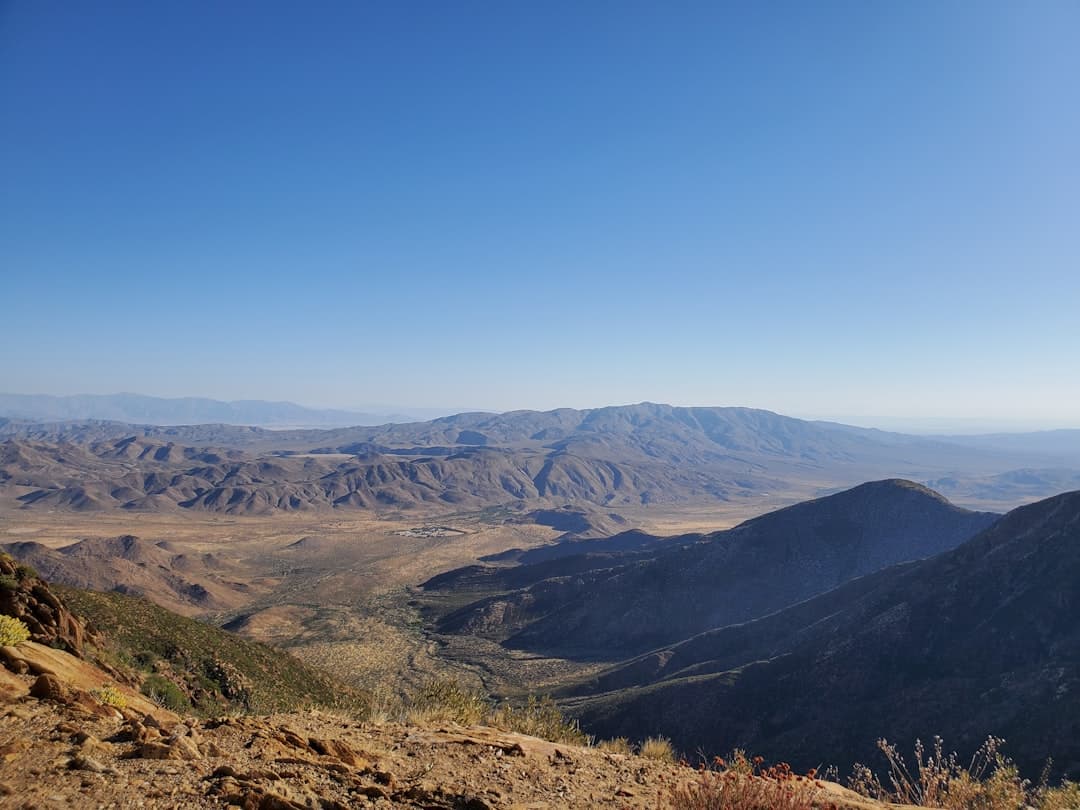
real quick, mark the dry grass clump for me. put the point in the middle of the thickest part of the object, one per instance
(990, 781)
(658, 748)
(538, 717)
(445, 700)
(743, 784)
(616, 745)
(1065, 797)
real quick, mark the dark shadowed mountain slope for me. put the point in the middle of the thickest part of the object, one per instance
(980, 640)
(645, 600)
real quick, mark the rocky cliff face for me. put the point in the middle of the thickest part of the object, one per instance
(28, 598)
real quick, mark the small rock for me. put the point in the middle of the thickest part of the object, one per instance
(48, 687)
(39, 669)
(84, 763)
(271, 801)
(339, 750)
(372, 792)
(17, 665)
(150, 721)
(384, 778)
(186, 748)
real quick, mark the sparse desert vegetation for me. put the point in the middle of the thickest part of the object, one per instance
(658, 748)
(447, 700)
(934, 778)
(746, 785)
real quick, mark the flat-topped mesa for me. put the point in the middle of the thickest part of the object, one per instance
(26, 597)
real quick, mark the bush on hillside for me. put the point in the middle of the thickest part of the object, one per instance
(539, 717)
(446, 700)
(989, 782)
(12, 631)
(616, 745)
(109, 695)
(658, 748)
(745, 785)
(165, 693)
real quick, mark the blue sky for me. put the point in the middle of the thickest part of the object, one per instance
(851, 210)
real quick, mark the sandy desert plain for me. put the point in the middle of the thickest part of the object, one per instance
(340, 589)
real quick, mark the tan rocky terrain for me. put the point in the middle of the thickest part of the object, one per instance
(59, 755)
(73, 735)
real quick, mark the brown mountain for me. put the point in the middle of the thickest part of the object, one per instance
(185, 583)
(609, 457)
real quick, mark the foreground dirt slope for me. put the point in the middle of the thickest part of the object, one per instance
(64, 752)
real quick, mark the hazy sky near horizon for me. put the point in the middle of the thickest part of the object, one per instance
(837, 209)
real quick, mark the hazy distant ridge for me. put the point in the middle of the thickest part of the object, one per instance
(141, 409)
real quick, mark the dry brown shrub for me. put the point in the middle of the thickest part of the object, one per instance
(616, 745)
(989, 782)
(748, 786)
(658, 748)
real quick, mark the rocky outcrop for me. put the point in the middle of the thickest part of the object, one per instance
(29, 599)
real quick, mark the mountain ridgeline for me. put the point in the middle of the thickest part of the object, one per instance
(140, 409)
(618, 456)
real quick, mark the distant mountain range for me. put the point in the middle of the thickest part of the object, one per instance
(979, 640)
(144, 410)
(609, 457)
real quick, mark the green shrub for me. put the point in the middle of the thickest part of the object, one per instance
(165, 693)
(8, 582)
(24, 572)
(12, 631)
